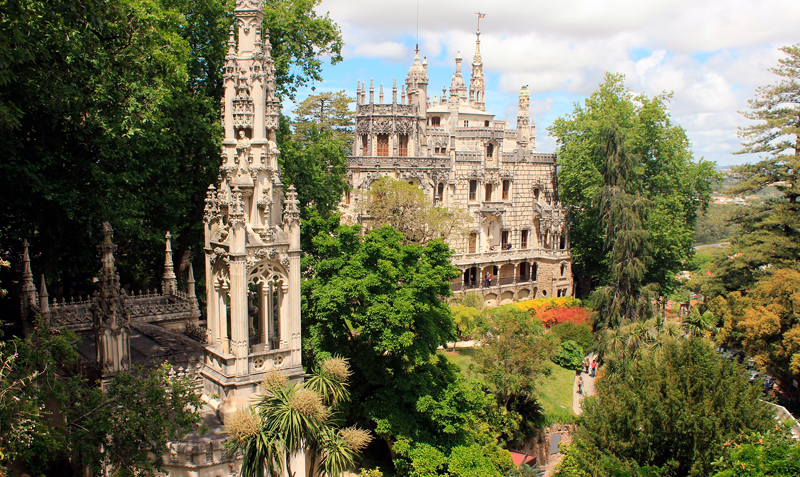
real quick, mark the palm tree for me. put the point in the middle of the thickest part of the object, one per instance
(290, 418)
(697, 324)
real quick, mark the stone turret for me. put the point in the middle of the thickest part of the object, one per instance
(458, 88)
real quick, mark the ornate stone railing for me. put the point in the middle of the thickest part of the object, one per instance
(509, 255)
(377, 162)
(385, 109)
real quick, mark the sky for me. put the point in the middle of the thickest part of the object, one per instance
(711, 54)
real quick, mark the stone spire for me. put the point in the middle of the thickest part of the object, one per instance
(190, 282)
(28, 298)
(169, 282)
(44, 304)
(523, 117)
(476, 82)
(252, 246)
(111, 320)
(458, 89)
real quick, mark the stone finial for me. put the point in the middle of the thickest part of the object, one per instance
(403, 94)
(458, 62)
(292, 205)
(394, 91)
(371, 91)
(44, 303)
(107, 249)
(190, 282)
(380, 97)
(27, 274)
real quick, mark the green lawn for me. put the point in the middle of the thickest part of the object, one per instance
(555, 392)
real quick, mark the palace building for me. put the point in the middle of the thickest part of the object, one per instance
(517, 243)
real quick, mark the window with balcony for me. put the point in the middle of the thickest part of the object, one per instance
(403, 145)
(506, 189)
(523, 241)
(473, 190)
(488, 192)
(383, 145)
(504, 243)
(473, 242)
(490, 150)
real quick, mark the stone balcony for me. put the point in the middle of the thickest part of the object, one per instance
(508, 256)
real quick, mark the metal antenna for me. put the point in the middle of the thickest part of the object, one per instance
(417, 46)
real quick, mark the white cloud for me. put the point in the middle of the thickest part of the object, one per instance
(712, 54)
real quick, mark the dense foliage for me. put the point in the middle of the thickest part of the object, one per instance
(118, 102)
(52, 421)
(376, 300)
(675, 410)
(770, 454)
(673, 183)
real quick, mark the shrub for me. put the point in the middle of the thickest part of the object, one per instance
(580, 333)
(569, 355)
(554, 316)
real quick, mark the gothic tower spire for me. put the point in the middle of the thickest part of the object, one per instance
(476, 83)
(252, 244)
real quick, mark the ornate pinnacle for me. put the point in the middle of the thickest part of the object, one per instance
(292, 205)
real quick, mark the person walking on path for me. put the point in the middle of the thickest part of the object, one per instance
(586, 364)
(583, 385)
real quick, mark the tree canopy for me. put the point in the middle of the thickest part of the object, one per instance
(675, 185)
(405, 207)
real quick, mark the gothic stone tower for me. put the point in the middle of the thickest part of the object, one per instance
(252, 235)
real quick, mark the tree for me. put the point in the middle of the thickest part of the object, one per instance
(328, 112)
(118, 102)
(377, 301)
(515, 355)
(673, 183)
(627, 297)
(122, 426)
(405, 207)
(294, 417)
(770, 232)
(675, 411)
(766, 322)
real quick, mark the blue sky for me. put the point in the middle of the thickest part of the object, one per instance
(712, 54)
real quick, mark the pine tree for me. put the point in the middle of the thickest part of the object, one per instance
(770, 233)
(622, 210)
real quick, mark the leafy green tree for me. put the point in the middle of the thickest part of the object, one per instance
(377, 301)
(577, 332)
(674, 184)
(675, 410)
(405, 207)
(622, 207)
(122, 426)
(770, 232)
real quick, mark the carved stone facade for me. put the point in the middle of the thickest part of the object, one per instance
(517, 244)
